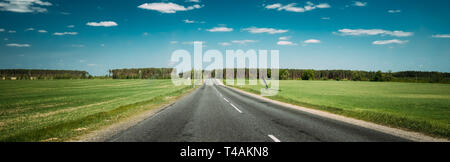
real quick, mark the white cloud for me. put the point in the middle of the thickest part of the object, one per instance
(24, 6)
(70, 26)
(256, 30)
(17, 45)
(195, 1)
(273, 6)
(2, 30)
(284, 38)
(12, 31)
(102, 23)
(220, 29)
(285, 43)
(167, 7)
(173, 42)
(325, 18)
(395, 41)
(225, 44)
(441, 36)
(360, 4)
(323, 5)
(65, 33)
(309, 41)
(32, 29)
(293, 8)
(394, 11)
(359, 32)
(188, 21)
(243, 41)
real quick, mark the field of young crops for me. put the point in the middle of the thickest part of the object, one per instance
(58, 110)
(422, 107)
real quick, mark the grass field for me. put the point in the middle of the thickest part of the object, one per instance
(58, 110)
(419, 107)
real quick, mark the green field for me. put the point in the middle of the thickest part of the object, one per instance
(422, 107)
(59, 110)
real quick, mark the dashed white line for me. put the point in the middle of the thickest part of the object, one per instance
(275, 139)
(236, 108)
(220, 94)
(228, 101)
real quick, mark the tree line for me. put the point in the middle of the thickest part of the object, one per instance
(298, 74)
(34, 74)
(354, 75)
(141, 73)
(284, 74)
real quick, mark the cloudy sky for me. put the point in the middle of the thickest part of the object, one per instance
(97, 35)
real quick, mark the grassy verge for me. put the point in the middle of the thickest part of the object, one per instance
(420, 107)
(74, 108)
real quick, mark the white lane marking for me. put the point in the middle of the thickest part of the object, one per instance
(275, 139)
(220, 94)
(228, 101)
(236, 108)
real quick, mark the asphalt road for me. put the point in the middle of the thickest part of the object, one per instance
(214, 113)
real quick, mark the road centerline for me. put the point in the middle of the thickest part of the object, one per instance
(236, 108)
(275, 139)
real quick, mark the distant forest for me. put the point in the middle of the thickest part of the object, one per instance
(143, 73)
(299, 74)
(34, 74)
(284, 74)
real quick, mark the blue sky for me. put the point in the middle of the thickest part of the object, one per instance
(97, 35)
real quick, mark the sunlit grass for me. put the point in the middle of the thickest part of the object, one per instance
(57, 110)
(420, 107)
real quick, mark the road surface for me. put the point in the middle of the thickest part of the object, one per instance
(215, 113)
